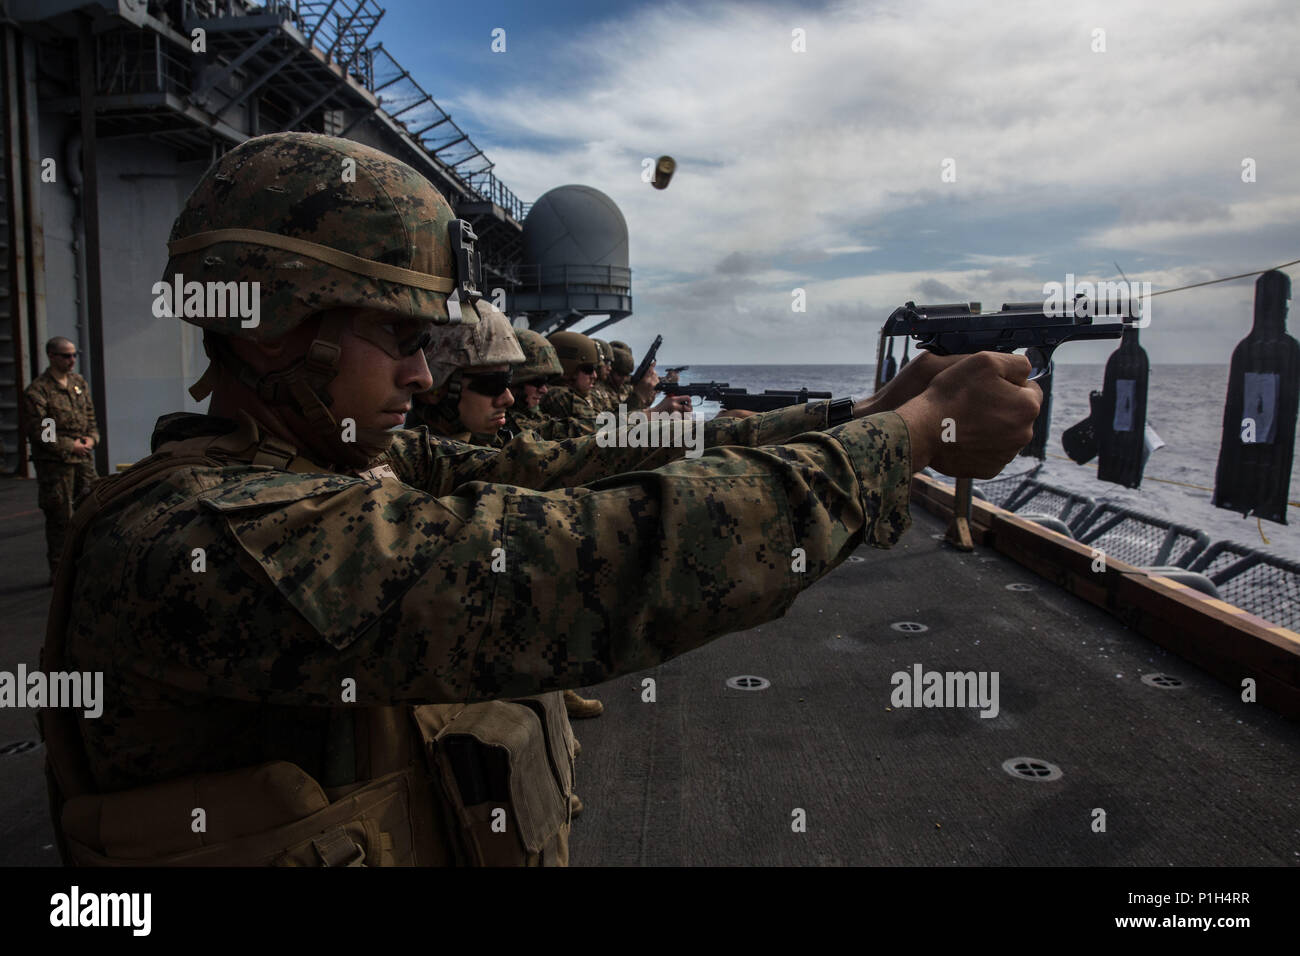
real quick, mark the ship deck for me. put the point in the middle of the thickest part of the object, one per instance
(707, 774)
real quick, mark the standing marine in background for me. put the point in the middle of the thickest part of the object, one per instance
(63, 434)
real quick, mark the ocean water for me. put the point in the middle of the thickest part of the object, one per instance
(1184, 406)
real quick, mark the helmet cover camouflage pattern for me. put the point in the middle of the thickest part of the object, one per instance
(309, 191)
(540, 360)
(489, 341)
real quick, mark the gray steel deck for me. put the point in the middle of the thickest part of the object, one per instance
(711, 775)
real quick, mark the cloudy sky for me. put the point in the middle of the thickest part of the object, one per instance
(1081, 135)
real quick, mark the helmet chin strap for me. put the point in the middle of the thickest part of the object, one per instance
(302, 387)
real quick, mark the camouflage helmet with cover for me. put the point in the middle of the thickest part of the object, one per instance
(540, 360)
(606, 353)
(320, 224)
(454, 348)
(573, 349)
(624, 364)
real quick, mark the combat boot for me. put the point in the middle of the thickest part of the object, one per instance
(580, 706)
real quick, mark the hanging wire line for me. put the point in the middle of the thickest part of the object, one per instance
(1197, 285)
(1167, 481)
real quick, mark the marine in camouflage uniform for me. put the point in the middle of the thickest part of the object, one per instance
(62, 452)
(470, 401)
(571, 398)
(603, 396)
(464, 404)
(620, 377)
(461, 358)
(532, 382)
(297, 615)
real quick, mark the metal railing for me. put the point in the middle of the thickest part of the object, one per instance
(578, 278)
(1042, 498)
(341, 30)
(1140, 539)
(407, 103)
(138, 62)
(1262, 583)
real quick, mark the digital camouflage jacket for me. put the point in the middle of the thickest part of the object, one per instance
(228, 606)
(71, 408)
(560, 401)
(546, 427)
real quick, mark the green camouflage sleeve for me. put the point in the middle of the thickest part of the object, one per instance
(563, 402)
(555, 429)
(33, 414)
(38, 405)
(557, 402)
(439, 466)
(316, 583)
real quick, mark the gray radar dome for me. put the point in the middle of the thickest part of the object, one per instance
(575, 226)
(574, 260)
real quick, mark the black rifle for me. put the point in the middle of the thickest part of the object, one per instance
(676, 368)
(647, 361)
(766, 401)
(961, 330)
(709, 391)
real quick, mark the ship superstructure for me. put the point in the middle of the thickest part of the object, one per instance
(114, 108)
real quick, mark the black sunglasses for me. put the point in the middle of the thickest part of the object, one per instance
(419, 343)
(66, 354)
(535, 382)
(587, 369)
(490, 384)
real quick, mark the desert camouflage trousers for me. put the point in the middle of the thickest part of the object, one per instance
(60, 486)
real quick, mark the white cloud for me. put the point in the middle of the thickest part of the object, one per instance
(1172, 233)
(788, 160)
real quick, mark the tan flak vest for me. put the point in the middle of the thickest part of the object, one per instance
(484, 784)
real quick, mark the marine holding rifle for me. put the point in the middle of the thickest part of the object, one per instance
(304, 599)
